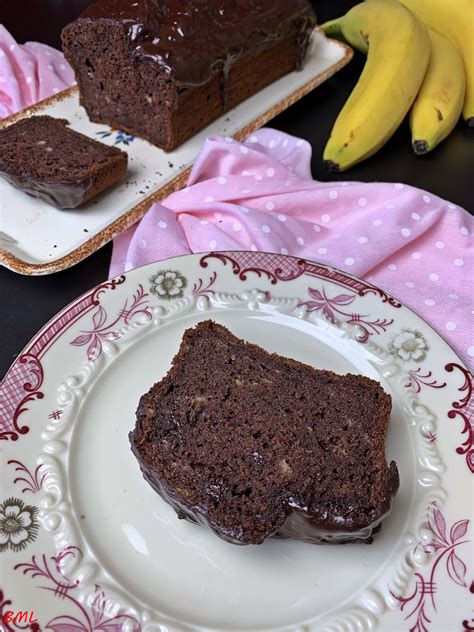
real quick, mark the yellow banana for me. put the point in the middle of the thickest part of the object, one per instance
(438, 106)
(455, 20)
(398, 49)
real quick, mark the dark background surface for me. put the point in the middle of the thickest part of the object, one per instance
(27, 303)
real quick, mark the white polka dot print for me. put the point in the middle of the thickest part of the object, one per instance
(333, 195)
(142, 244)
(450, 325)
(415, 216)
(12, 47)
(433, 276)
(281, 217)
(270, 172)
(406, 232)
(237, 226)
(128, 266)
(399, 186)
(452, 207)
(243, 149)
(377, 222)
(426, 199)
(410, 284)
(208, 198)
(439, 245)
(62, 66)
(322, 251)
(204, 222)
(272, 144)
(416, 255)
(50, 67)
(362, 201)
(299, 142)
(218, 215)
(363, 240)
(464, 231)
(254, 139)
(470, 351)
(253, 248)
(317, 228)
(228, 139)
(244, 209)
(29, 79)
(430, 302)
(212, 244)
(392, 266)
(265, 228)
(245, 172)
(300, 241)
(453, 296)
(245, 191)
(162, 224)
(349, 261)
(258, 177)
(269, 206)
(458, 262)
(283, 251)
(325, 218)
(221, 180)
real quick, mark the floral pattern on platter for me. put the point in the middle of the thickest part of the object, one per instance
(464, 408)
(33, 481)
(330, 307)
(416, 379)
(409, 345)
(104, 329)
(168, 284)
(93, 615)
(18, 524)
(121, 138)
(199, 289)
(442, 546)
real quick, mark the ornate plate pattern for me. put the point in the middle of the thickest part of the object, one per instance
(86, 545)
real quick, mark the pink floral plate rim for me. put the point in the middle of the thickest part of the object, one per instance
(165, 282)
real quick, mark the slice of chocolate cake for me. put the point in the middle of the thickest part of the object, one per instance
(253, 444)
(44, 157)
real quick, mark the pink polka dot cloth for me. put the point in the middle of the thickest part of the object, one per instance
(259, 195)
(29, 72)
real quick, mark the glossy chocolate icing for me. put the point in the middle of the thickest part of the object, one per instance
(307, 525)
(63, 195)
(193, 39)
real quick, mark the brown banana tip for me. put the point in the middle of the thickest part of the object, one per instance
(470, 121)
(420, 147)
(332, 166)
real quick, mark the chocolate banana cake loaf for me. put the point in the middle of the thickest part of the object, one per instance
(44, 157)
(164, 69)
(253, 444)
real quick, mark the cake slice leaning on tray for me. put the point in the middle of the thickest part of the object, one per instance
(253, 444)
(163, 69)
(43, 157)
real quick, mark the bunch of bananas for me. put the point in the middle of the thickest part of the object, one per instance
(420, 58)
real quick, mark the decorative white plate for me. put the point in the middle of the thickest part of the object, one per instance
(36, 238)
(87, 545)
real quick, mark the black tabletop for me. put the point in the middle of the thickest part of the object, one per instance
(28, 302)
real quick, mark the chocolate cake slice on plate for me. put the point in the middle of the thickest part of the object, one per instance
(42, 156)
(253, 444)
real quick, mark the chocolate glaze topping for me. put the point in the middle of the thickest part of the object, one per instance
(192, 39)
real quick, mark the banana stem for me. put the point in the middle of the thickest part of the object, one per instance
(332, 28)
